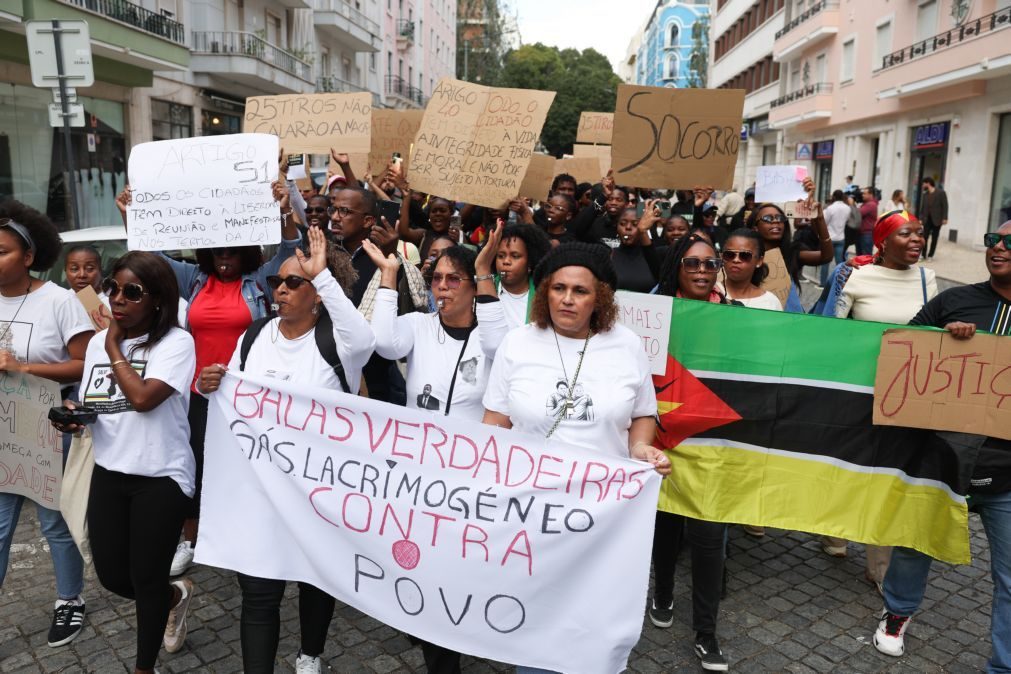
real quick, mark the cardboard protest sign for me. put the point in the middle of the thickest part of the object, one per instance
(91, 302)
(929, 379)
(475, 142)
(583, 169)
(463, 534)
(676, 138)
(540, 173)
(778, 281)
(601, 152)
(649, 317)
(595, 127)
(392, 131)
(779, 184)
(31, 453)
(312, 123)
(204, 192)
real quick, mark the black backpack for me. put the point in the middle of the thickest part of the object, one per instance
(324, 342)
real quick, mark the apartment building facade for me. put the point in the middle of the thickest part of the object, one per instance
(743, 33)
(663, 58)
(894, 92)
(180, 68)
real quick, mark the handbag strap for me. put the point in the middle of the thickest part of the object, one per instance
(923, 284)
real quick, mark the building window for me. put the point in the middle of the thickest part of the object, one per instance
(218, 124)
(882, 42)
(170, 120)
(926, 20)
(372, 62)
(672, 67)
(673, 35)
(848, 55)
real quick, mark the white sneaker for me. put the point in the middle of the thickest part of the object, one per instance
(182, 559)
(890, 636)
(306, 664)
(175, 629)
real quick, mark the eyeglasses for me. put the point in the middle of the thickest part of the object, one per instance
(317, 209)
(771, 217)
(293, 282)
(452, 280)
(992, 239)
(707, 265)
(132, 292)
(224, 252)
(742, 255)
(343, 211)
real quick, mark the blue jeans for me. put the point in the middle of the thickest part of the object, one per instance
(865, 246)
(67, 561)
(839, 249)
(906, 580)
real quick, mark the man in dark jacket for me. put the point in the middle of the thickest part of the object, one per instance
(933, 214)
(961, 311)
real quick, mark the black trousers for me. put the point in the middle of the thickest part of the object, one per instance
(198, 430)
(707, 541)
(932, 233)
(133, 524)
(439, 660)
(260, 624)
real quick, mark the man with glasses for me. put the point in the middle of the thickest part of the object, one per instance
(961, 311)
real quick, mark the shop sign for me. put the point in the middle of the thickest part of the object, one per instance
(824, 149)
(930, 136)
(803, 151)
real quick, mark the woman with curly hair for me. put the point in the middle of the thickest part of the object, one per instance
(573, 373)
(44, 331)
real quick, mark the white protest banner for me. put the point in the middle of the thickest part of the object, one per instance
(31, 450)
(649, 317)
(778, 184)
(474, 537)
(204, 192)
(475, 142)
(313, 123)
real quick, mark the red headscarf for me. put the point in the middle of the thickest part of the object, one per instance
(886, 225)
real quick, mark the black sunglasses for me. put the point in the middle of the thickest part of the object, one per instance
(318, 209)
(708, 265)
(742, 255)
(132, 292)
(293, 282)
(772, 217)
(992, 239)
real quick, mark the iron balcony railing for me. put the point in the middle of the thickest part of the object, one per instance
(803, 92)
(254, 46)
(949, 38)
(328, 84)
(135, 16)
(347, 11)
(398, 86)
(805, 15)
(405, 30)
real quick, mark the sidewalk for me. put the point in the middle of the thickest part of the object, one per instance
(959, 263)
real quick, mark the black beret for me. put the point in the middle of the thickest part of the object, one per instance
(593, 256)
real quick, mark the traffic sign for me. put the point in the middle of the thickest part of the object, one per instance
(77, 69)
(75, 111)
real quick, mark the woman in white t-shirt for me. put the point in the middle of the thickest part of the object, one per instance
(744, 270)
(522, 248)
(573, 373)
(137, 377)
(306, 292)
(44, 331)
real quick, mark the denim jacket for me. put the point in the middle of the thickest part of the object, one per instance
(254, 285)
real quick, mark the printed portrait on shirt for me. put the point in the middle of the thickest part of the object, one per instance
(427, 401)
(577, 407)
(468, 370)
(102, 391)
(15, 338)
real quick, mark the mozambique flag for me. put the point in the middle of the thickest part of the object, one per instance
(766, 417)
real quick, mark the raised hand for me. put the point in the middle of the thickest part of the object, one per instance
(385, 236)
(281, 195)
(382, 262)
(486, 258)
(316, 262)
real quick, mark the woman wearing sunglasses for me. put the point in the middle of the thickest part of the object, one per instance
(305, 289)
(689, 272)
(744, 270)
(138, 374)
(227, 291)
(636, 260)
(889, 287)
(814, 249)
(44, 331)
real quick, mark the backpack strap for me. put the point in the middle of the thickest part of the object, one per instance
(249, 337)
(923, 285)
(328, 347)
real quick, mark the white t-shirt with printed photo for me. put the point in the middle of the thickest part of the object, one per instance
(529, 384)
(38, 330)
(155, 443)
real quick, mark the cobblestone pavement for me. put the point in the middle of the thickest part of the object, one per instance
(789, 608)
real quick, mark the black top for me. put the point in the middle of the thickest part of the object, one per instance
(980, 305)
(637, 267)
(593, 225)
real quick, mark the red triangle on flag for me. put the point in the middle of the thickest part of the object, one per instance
(686, 406)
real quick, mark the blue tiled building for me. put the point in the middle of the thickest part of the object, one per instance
(665, 51)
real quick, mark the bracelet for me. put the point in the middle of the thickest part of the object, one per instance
(285, 214)
(484, 277)
(115, 363)
(118, 363)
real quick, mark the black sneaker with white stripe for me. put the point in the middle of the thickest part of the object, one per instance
(708, 650)
(68, 619)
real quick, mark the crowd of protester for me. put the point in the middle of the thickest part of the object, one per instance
(457, 310)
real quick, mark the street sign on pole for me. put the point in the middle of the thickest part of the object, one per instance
(59, 53)
(75, 44)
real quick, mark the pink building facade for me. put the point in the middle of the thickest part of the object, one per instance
(893, 91)
(419, 48)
